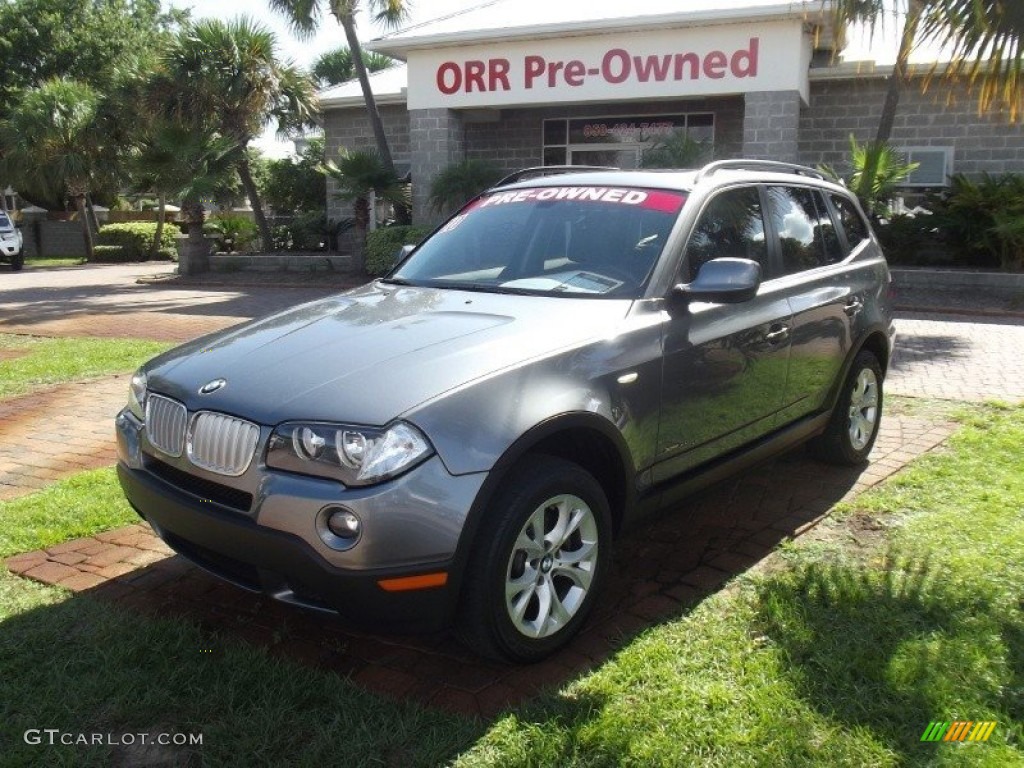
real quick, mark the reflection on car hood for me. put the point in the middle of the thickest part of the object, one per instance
(372, 354)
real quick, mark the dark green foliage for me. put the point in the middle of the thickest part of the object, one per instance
(677, 151)
(983, 220)
(112, 254)
(461, 182)
(298, 185)
(336, 67)
(135, 239)
(234, 233)
(382, 245)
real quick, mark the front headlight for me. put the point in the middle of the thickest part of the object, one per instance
(137, 395)
(354, 455)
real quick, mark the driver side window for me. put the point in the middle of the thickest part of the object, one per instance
(732, 224)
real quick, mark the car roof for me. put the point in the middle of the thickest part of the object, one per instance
(683, 180)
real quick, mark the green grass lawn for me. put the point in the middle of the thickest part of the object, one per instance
(37, 262)
(33, 362)
(903, 609)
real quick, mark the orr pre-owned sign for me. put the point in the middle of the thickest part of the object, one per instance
(701, 61)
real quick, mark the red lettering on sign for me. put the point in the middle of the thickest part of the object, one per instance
(715, 64)
(686, 58)
(449, 78)
(498, 74)
(652, 66)
(535, 67)
(744, 63)
(475, 76)
(623, 64)
(575, 72)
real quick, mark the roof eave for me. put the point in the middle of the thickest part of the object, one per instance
(399, 47)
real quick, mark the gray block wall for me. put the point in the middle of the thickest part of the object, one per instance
(436, 140)
(53, 238)
(350, 128)
(940, 117)
(770, 125)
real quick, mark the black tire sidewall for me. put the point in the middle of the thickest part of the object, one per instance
(527, 491)
(18, 261)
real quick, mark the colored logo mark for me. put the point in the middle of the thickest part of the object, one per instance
(959, 730)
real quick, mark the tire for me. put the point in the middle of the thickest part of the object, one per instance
(18, 261)
(852, 430)
(514, 572)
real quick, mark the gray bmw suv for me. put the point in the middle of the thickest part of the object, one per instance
(463, 440)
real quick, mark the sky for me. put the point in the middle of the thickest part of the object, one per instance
(330, 36)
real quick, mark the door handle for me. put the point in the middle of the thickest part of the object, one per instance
(781, 333)
(853, 306)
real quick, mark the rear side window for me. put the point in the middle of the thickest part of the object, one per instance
(851, 220)
(732, 224)
(798, 227)
(833, 248)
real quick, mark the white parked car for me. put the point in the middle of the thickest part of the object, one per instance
(12, 244)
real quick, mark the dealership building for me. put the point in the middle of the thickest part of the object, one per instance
(532, 82)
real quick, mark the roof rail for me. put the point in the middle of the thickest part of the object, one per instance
(549, 170)
(764, 165)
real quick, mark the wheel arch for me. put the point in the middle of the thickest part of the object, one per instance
(583, 438)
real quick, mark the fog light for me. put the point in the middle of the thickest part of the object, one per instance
(343, 524)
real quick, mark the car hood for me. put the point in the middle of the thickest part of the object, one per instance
(370, 355)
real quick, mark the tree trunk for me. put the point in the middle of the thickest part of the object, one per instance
(194, 214)
(349, 25)
(249, 184)
(899, 73)
(93, 218)
(86, 228)
(361, 216)
(161, 218)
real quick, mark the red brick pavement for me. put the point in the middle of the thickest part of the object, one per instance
(658, 572)
(47, 435)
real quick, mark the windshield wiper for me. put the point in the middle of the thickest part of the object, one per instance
(396, 281)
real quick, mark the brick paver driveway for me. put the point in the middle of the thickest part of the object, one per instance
(958, 358)
(108, 301)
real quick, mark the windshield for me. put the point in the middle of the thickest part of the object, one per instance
(5, 223)
(579, 241)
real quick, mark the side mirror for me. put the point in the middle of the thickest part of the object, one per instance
(402, 252)
(724, 281)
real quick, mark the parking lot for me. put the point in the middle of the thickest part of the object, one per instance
(658, 571)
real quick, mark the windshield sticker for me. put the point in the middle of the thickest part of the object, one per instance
(667, 202)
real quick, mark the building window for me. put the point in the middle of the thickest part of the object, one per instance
(619, 141)
(935, 166)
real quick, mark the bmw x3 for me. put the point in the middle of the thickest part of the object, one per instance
(462, 441)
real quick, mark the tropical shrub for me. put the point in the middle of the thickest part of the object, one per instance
(136, 238)
(983, 220)
(111, 254)
(875, 190)
(382, 245)
(677, 151)
(233, 233)
(460, 182)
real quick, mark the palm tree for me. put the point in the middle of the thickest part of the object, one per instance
(460, 182)
(178, 161)
(337, 66)
(305, 17)
(51, 141)
(357, 175)
(227, 74)
(986, 38)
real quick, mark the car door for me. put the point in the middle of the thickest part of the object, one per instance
(820, 291)
(725, 365)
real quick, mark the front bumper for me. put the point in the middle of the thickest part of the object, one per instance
(411, 526)
(9, 248)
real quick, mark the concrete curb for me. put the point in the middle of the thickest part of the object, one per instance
(956, 278)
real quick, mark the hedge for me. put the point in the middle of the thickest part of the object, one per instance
(136, 238)
(111, 254)
(382, 245)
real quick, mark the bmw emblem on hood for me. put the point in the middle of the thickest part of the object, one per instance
(214, 386)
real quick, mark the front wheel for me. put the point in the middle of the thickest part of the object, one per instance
(538, 567)
(852, 430)
(18, 261)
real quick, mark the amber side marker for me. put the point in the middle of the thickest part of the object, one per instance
(409, 583)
